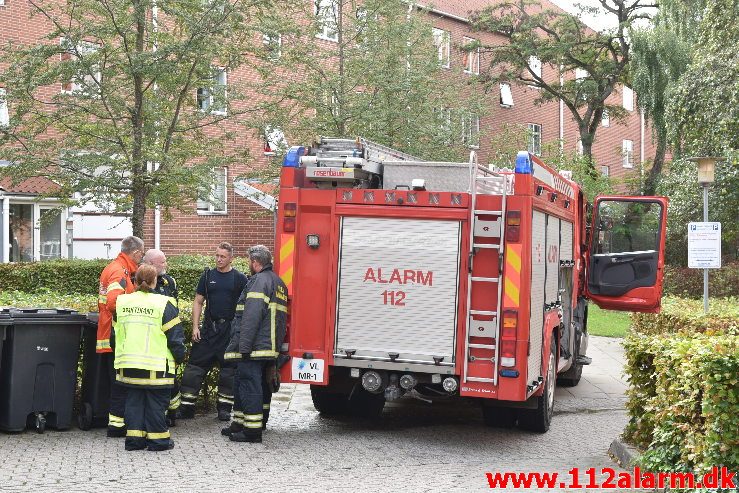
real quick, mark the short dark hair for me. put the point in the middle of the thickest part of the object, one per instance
(224, 245)
(131, 243)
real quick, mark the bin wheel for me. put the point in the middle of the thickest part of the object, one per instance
(84, 418)
(40, 423)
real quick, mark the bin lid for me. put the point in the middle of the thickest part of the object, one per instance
(46, 315)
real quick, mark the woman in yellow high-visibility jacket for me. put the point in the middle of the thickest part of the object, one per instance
(149, 342)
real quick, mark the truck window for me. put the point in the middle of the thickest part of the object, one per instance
(625, 226)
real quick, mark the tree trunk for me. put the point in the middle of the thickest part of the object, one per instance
(586, 139)
(650, 184)
(139, 187)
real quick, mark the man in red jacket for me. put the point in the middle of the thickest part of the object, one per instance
(117, 278)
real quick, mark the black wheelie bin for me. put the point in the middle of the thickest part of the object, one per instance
(5, 321)
(39, 368)
(95, 401)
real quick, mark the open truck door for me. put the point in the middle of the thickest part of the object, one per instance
(626, 250)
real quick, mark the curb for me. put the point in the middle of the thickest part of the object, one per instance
(623, 453)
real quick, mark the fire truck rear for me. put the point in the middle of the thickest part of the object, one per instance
(448, 280)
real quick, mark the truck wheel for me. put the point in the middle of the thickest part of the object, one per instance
(499, 417)
(40, 423)
(540, 418)
(363, 404)
(328, 403)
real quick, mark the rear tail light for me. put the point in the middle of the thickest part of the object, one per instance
(513, 226)
(290, 210)
(508, 338)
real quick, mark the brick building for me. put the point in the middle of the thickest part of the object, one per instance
(239, 212)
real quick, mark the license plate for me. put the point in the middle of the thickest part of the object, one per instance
(307, 370)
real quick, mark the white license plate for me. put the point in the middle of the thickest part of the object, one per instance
(307, 370)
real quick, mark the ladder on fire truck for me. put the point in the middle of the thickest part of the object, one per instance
(484, 180)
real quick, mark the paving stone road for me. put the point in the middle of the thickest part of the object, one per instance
(414, 447)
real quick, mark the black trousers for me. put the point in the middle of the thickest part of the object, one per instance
(117, 395)
(253, 395)
(146, 422)
(203, 356)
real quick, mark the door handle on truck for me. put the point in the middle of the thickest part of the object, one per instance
(621, 260)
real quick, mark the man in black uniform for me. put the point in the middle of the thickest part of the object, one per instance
(263, 328)
(219, 289)
(167, 286)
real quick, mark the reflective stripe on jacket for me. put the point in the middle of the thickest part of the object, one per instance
(149, 339)
(116, 279)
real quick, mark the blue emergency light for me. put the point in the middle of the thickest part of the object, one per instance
(523, 163)
(292, 158)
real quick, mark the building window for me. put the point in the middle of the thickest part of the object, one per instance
(84, 81)
(535, 66)
(4, 115)
(627, 150)
(506, 96)
(580, 149)
(580, 74)
(327, 16)
(604, 170)
(272, 45)
(214, 202)
(535, 138)
(213, 98)
(471, 130)
(442, 42)
(605, 119)
(628, 95)
(471, 60)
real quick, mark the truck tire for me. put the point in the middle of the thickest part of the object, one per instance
(327, 402)
(363, 404)
(499, 417)
(540, 418)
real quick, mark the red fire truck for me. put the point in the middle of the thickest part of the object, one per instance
(441, 279)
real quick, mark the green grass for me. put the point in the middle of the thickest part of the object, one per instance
(607, 322)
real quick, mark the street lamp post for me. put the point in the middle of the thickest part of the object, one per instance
(706, 170)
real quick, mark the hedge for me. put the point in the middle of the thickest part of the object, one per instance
(688, 283)
(683, 399)
(82, 276)
(87, 303)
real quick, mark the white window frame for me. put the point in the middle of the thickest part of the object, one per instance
(535, 133)
(4, 113)
(207, 206)
(628, 98)
(471, 59)
(580, 148)
(605, 119)
(506, 95)
(37, 207)
(580, 74)
(627, 150)
(327, 12)
(535, 65)
(471, 130)
(605, 170)
(273, 45)
(205, 99)
(85, 47)
(443, 42)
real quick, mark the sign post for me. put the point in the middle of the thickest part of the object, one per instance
(704, 251)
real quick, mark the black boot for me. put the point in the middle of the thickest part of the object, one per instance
(229, 430)
(116, 432)
(248, 437)
(185, 412)
(171, 418)
(224, 411)
(161, 448)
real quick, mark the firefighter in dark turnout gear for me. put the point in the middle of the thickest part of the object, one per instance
(115, 280)
(261, 335)
(166, 286)
(219, 289)
(149, 344)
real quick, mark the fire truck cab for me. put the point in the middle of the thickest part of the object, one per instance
(448, 280)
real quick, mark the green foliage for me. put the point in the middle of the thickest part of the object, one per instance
(688, 283)
(81, 277)
(129, 82)
(680, 183)
(383, 83)
(683, 401)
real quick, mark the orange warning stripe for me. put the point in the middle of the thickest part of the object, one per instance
(287, 259)
(512, 284)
